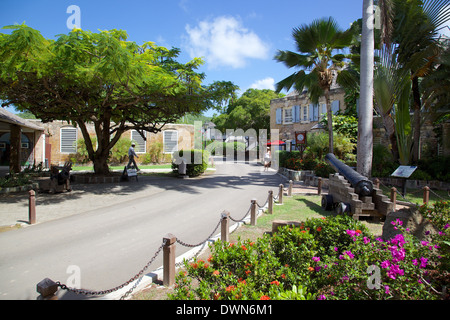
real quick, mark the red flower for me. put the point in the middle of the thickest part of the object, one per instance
(230, 288)
(264, 298)
(275, 282)
(319, 229)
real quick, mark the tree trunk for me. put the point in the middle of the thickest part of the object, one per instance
(330, 122)
(365, 116)
(417, 107)
(101, 165)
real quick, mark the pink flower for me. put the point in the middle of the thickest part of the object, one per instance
(423, 262)
(366, 240)
(316, 259)
(385, 264)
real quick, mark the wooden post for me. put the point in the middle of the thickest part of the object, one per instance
(270, 202)
(280, 194)
(426, 194)
(377, 183)
(393, 196)
(225, 227)
(169, 260)
(32, 207)
(319, 186)
(253, 212)
(291, 184)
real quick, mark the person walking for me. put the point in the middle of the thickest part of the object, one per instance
(131, 155)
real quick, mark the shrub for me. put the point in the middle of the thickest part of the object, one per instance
(193, 169)
(333, 257)
(323, 169)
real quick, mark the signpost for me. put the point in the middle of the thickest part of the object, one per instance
(404, 172)
(300, 141)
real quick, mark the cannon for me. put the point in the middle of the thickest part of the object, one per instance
(352, 193)
(362, 185)
(59, 180)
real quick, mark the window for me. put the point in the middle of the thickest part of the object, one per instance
(170, 141)
(68, 140)
(305, 113)
(140, 142)
(288, 115)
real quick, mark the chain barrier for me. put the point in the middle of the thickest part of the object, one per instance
(242, 219)
(440, 197)
(103, 292)
(139, 275)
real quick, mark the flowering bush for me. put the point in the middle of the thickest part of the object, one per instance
(327, 258)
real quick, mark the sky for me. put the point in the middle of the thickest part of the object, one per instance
(237, 39)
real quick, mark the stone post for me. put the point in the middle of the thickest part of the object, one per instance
(32, 207)
(169, 260)
(393, 197)
(280, 194)
(319, 186)
(426, 195)
(270, 209)
(253, 212)
(225, 227)
(291, 184)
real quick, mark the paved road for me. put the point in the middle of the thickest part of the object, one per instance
(111, 244)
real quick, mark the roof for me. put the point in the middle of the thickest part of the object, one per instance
(9, 117)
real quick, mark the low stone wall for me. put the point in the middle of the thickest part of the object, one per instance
(304, 175)
(28, 187)
(90, 178)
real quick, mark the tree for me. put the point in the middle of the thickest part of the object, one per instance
(416, 34)
(99, 78)
(319, 59)
(250, 111)
(365, 116)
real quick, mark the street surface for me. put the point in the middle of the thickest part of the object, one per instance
(108, 245)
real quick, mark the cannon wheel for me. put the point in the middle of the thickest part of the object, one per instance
(327, 202)
(342, 208)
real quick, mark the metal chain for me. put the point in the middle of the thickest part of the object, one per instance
(242, 219)
(448, 195)
(103, 292)
(202, 242)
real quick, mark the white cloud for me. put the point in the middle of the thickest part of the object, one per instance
(224, 41)
(266, 83)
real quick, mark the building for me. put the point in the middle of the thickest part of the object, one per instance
(60, 137)
(19, 141)
(52, 143)
(295, 112)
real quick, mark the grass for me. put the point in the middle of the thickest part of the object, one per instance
(416, 195)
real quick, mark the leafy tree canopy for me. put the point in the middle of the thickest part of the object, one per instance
(250, 111)
(100, 78)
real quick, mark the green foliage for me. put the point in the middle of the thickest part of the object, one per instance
(100, 78)
(193, 169)
(220, 148)
(383, 164)
(250, 111)
(345, 124)
(325, 258)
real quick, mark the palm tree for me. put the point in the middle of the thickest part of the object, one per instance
(365, 115)
(319, 56)
(417, 23)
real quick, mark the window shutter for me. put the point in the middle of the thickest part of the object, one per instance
(140, 142)
(279, 113)
(311, 112)
(296, 113)
(68, 140)
(170, 141)
(335, 106)
(316, 112)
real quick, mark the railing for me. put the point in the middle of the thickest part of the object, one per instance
(48, 288)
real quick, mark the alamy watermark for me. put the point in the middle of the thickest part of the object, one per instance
(74, 20)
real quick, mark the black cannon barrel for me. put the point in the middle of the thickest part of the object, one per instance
(361, 184)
